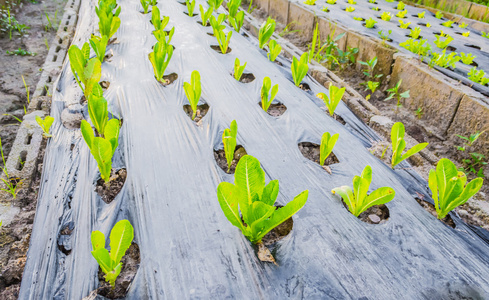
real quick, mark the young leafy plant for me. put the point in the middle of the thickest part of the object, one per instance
(384, 37)
(448, 23)
(350, 9)
(404, 25)
(402, 14)
(439, 15)
(45, 125)
(108, 22)
(372, 86)
(328, 142)
(386, 16)
(310, 2)
(97, 110)
(217, 23)
(275, 50)
(205, 15)
(215, 4)
(299, 68)
(419, 47)
(229, 141)
(121, 237)
(193, 90)
(87, 72)
(399, 144)
(421, 15)
(394, 92)
(444, 60)
(267, 96)
(478, 76)
(162, 37)
(190, 7)
(266, 31)
(333, 98)
(99, 45)
(415, 32)
(469, 140)
(369, 72)
(238, 69)
(357, 199)
(370, 23)
(223, 40)
(237, 20)
(233, 7)
(448, 188)
(158, 23)
(401, 5)
(331, 2)
(255, 200)
(11, 183)
(160, 58)
(145, 4)
(466, 34)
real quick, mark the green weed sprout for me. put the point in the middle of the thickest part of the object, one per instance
(448, 188)
(299, 68)
(158, 23)
(370, 64)
(145, 5)
(419, 47)
(399, 144)
(99, 45)
(328, 142)
(350, 9)
(402, 14)
(11, 183)
(121, 237)
(404, 25)
(421, 15)
(255, 200)
(372, 86)
(237, 20)
(266, 31)
(190, 7)
(20, 52)
(333, 98)
(238, 69)
(394, 92)
(193, 90)
(357, 199)
(331, 2)
(87, 72)
(217, 23)
(205, 15)
(108, 22)
(370, 23)
(439, 15)
(470, 140)
(267, 96)
(467, 58)
(463, 25)
(223, 40)
(415, 33)
(45, 125)
(372, 1)
(386, 16)
(478, 76)
(448, 23)
(442, 44)
(401, 5)
(310, 2)
(229, 141)
(275, 50)
(444, 60)
(160, 58)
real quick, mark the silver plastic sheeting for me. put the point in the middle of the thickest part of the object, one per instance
(188, 248)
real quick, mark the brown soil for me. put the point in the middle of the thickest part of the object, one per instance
(311, 151)
(377, 214)
(220, 157)
(169, 79)
(218, 49)
(201, 112)
(431, 209)
(275, 110)
(245, 77)
(110, 191)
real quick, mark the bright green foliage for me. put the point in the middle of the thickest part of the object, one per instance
(444, 60)
(153, 2)
(463, 25)
(237, 20)
(310, 2)
(87, 72)
(158, 23)
(470, 140)
(205, 15)
(217, 23)
(369, 72)
(145, 5)
(402, 14)
(485, 34)
(386, 16)
(428, 25)
(421, 15)
(399, 144)
(372, 1)
(121, 237)
(223, 40)
(350, 9)
(439, 15)
(315, 48)
(328, 142)
(102, 148)
(160, 58)
(333, 98)
(266, 31)
(233, 7)
(370, 23)
(415, 32)
(215, 4)
(21, 52)
(401, 5)
(193, 90)
(299, 68)
(255, 200)
(358, 19)
(162, 37)
(394, 92)
(478, 76)
(6, 179)
(190, 7)
(448, 187)
(420, 47)
(229, 141)
(447, 24)
(267, 96)
(357, 200)
(238, 69)
(45, 124)
(331, 2)
(109, 21)
(384, 37)
(372, 86)
(404, 25)
(275, 50)
(99, 45)
(466, 34)
(375, 8)
(99, 115)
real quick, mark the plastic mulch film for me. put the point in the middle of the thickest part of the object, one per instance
(188, 248)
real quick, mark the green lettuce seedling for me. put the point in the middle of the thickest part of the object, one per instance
(466, 34)
(45, 125)
(145, 4)
(310, 2)
(448, 23)
(299, 68)
(419, 47)
(439, 15)
(370, 64)
(444, 60)
(238, 69)
(233, 6)
(386, 16)
(205, 15)
(448, 188)
(215, 4)
(121, 237)
(442, 44)
(401, 5)
(267, 96)
(87, 72)
(97, 110)
(266, 31)
(404, 25)
(255, 200)
(158, 23)
(108, 22)
(370, 23)
(229, 141)
(421, 15)
(372, 86)
(402, 14)
(463, 25)
(99, 45)
(333, 98)
(478, 76)
(415, 33)
(332, 2)
(399, 144)
(350, 9)
(328, 142)
(358, 200)
(223, 40)
(162, 37)
(217, 23)
(193, 90)
(160, 58)
(275, 50)
(237, 20)
(190, 7)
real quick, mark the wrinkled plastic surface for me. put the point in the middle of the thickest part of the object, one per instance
(188, 248)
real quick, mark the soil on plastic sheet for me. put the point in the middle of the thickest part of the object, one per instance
(431, 209)
(266, 250)
(13, 95)
(312, 152)
(220, 157)
(201, 112)
(110, 191)
(275, 109)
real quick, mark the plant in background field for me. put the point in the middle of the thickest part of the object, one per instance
(439, 15)
(233, 7)
(466, 34)
(399, 144)
(428, 25)
(419, 47)
(469, 141)
(109, 22)
(448, 187)
(9, 24)
(372, 1)
(310, 2)
(401, 5)
(350, 9)
(357, 199)
(223, 40)
(384, 37)
(87, 72)
(238, 69)
(370, 23)
(448, 23)
(145, 5)
(443, 60)
(205, 15)
(266, 31)
(160, 58)
(325, 9)
(237, 20)
(372, 86)
(463, 25)
(190, 7)
(386, 16)
(121, 237)
(299, 68)
(158, 23)
(475, 164)
(328, 142)
(45, 125)
(347, 57)
(266, 95)
(419, 112)
(215, 4)
(485, 34)
(394, 92)
(99, 45)
(415, 33)
(11, 183)
(442, 44)
(255, 200)
(369, 72)
(478, 76)
(402, 14)
(193, 90)
(358, 19)
(404, 25)
(421, 15)
(352, 2)
(332, 2)
(333, 98)
(229, 141)
(275, 50)
(375, 8)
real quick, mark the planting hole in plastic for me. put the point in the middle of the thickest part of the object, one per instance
(220, 157)
(201, 111)
(311, 151)
(109, 191)
(276, 109)
(218, 49)
(169, 79)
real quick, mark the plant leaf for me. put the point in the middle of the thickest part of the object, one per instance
(121, 237)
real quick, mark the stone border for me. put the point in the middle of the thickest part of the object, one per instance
(29, 139)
